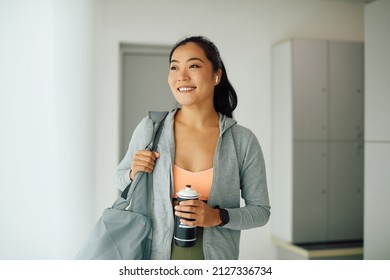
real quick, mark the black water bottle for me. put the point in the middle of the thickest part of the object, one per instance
(184, 235)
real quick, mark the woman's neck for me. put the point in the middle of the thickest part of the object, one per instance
(198, 117)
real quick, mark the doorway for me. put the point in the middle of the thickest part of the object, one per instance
(144, 86)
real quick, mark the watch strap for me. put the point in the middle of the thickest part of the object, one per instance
(223, 215)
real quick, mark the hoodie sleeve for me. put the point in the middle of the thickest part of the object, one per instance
(139, 140)
(254, 191)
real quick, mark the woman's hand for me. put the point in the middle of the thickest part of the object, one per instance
(143, 160)
(203, 215)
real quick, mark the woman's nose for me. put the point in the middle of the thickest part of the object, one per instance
(183, 76)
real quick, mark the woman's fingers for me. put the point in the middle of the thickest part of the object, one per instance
(143, 161)
(198, 211)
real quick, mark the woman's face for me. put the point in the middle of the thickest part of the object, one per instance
(191, 76)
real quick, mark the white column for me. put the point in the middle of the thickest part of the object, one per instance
(46, 120)
(377, 131)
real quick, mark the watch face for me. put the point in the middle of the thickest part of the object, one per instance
(224, 215)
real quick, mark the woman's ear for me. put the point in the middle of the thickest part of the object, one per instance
(218, 76)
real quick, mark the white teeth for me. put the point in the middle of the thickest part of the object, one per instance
(186, 88)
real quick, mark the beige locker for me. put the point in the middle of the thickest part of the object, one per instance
(345, 191)
(346, 90)
(310, 192)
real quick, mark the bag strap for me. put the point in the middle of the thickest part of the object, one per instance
(158, 123)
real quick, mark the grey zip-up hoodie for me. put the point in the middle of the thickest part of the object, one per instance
(239, 171)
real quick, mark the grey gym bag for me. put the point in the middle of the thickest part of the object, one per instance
(124, 231)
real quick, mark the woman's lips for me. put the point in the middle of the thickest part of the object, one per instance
(186, 89)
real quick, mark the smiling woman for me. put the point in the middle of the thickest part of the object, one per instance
(203, 146)
(206, 54)
(191, 77)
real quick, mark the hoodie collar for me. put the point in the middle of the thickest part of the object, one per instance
(224, 121)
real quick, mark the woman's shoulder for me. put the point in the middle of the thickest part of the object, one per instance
(244, 138)
(143, 132)
(241, 131)
(246, 145)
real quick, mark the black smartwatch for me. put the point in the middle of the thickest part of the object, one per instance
(224, 216)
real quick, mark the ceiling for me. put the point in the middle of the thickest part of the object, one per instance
(353, 1)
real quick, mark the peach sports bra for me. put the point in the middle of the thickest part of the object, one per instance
(199, 181)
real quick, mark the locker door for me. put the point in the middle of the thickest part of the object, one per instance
(346, 90)
(346, 191)
(310, 192)
(309, 89)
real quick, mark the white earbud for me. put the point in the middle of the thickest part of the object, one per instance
(216, 79)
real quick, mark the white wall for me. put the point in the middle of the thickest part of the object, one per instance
(377, 131)
(244, 31)
(59, 138)
(46, 120)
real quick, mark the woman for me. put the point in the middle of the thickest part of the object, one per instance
(202, 145)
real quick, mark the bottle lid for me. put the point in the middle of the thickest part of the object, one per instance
(188, 193)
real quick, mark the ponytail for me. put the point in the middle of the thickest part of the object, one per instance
(225, 97)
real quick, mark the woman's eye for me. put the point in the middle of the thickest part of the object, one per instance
(172, 68)
(194, 66)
